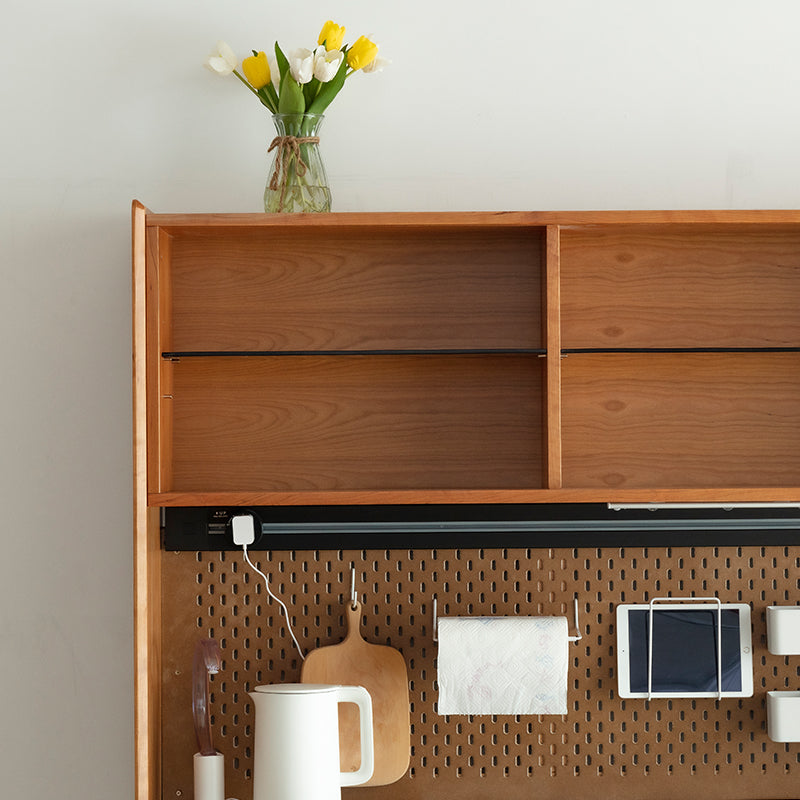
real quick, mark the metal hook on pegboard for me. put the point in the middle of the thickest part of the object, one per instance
(353, 598)
(578, 635)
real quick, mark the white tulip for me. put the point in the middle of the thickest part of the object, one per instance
(301, 64)
(223, 60)
(326, 63)
(275, 72)
(376, 65)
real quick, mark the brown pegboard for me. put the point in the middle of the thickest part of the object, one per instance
(604, 747)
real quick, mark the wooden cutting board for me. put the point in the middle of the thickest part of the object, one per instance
(382, 672)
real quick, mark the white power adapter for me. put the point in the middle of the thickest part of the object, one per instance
(244, 529)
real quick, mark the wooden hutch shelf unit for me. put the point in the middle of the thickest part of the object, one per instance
(481, 358)
(468, 357)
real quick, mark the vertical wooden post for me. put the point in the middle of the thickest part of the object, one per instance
(147, 580)
(553, 345)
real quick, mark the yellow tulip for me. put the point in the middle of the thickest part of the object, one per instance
(362, 53)
(331, 35)
(256, 70)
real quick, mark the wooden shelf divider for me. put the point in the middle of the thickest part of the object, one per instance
(552, 276)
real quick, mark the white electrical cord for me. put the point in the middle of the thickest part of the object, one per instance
(276, 599)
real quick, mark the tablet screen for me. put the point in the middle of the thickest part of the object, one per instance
(685, 651)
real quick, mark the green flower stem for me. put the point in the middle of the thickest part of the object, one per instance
(297, 181)
(264, 99)
(244, 81)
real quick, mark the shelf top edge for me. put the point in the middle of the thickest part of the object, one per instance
(476, 218)
(475, 496)
(345, 219)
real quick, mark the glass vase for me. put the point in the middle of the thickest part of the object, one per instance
(297, 181)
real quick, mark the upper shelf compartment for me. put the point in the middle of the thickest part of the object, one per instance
(350, 288)
(464, 410)
(680, 286)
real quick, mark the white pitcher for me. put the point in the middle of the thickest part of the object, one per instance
(296, 754)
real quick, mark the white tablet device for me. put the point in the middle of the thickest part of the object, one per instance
(686, 659)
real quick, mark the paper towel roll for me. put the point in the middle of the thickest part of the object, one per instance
(503, 665)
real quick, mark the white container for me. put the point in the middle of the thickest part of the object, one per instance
(783, 630)
(209, 777)
(297, 741)
(783, 716)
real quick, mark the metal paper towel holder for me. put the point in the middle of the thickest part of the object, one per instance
(578, 635)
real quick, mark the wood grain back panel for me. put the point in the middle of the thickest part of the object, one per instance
(680, 286)
(357, 422)
(681, 420)
(305, 289)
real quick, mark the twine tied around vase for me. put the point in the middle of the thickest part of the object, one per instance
(288, 146)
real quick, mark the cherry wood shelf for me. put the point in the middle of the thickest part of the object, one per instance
(490, 357)
(474, 358)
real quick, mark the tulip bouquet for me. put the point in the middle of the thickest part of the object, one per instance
(297, 89)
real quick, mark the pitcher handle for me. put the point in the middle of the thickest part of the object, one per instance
(361, 697)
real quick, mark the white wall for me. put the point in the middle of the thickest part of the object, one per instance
(512, 104)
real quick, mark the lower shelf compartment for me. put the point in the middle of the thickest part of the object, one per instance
(355, 423)
(681, 420)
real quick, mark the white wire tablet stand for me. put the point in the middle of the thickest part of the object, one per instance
(666, 601)
(578, 636)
